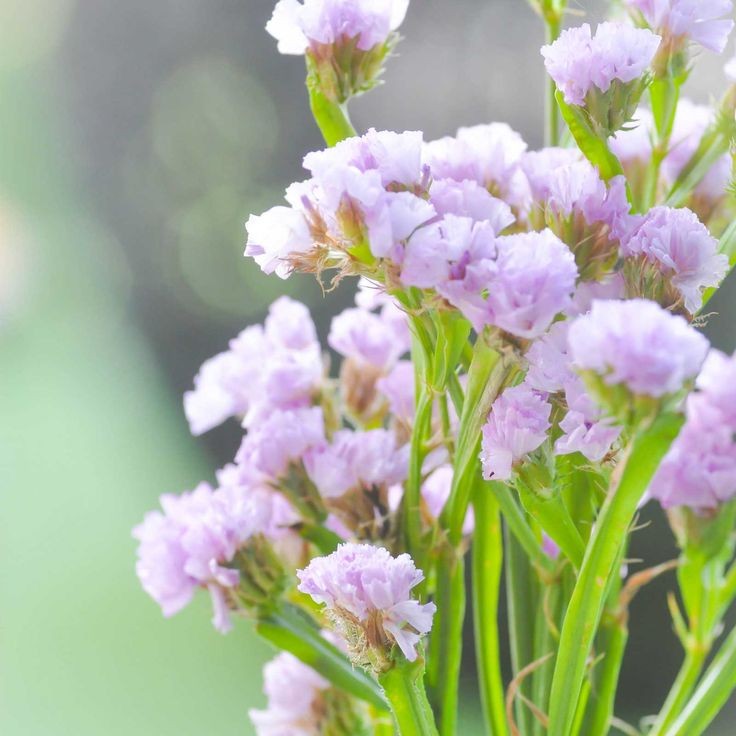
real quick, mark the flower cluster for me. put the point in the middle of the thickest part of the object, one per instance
(369, 594)
(604, 71)
(525, 317)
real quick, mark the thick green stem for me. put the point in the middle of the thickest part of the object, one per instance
(331, 117)
(613, 645)
(403, 685)
(544, 645)
(521, 601)
(487, 565)
(599, 565)
(446, 640)
(289, 629)
(711, 695)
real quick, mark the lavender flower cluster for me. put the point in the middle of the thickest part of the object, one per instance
(577, 268)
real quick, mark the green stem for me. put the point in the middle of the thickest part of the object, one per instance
(404, 688)
(614, 639)
(521, 603)
(518, 525)
(446, 641)
(487, 565)
(412, 497)
(687, 679)
(289, 629)
(711, 695)
(599, 565)
(331, 117)
(544, 645)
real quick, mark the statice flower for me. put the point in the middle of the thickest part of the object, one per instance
(549, 361)
(378, 340)
(704, 22)
(639, 344)
(592, 217)
(633, 144)
(586, 429)
(441, 253)
(489, 155)
(470, 199)
(192, 542)
(345, 41)
(279, 440)
(517, 425)
(295, 704)
(529, 282)
(398, 388)
(278, 365)
(298, 25)
(586, 66)
(700, 469)
(356, 460)
(367, 593)
(681, 249)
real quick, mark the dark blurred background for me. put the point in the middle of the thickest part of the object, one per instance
(135, 139)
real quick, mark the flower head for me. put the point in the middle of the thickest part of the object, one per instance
(299, 25)
(680, 247)
(580, 61)
(191, 543)
(700, 469)
(277, 366)
(704, 22)
(294, 693)
(638, 344)
(517, 425)
(604, 72)
(368, 594)
(529, 282)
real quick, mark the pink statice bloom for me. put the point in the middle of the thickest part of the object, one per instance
(298, 25)
(705, 22)
(549, 361)
(280, 439)
(293, 691)
(489, 155)
(441, 253)
(279, 365)
(354, 460)
(700, 469)
(190, 542)
(398, 389)
(538, 166)
(367, 583)
(639, 344)
(517, 425)
(468, 198)
(585, 428)
(578, 60)
(378, 340)
(682, 248)
(530, 281)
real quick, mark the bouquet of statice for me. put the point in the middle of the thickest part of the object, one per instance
(521, 372)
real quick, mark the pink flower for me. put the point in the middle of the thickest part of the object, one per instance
(683, 250)
(370, 586)
(639, 344)
(579, 61)
(701, 21)
(517, 425)
(297, 25)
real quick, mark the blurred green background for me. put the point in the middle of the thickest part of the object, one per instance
(135, 139)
